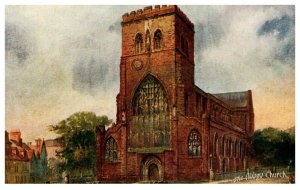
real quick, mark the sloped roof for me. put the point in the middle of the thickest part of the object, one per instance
(234, 99)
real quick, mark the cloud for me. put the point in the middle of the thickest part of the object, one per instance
(279, 26)
(64, 59)
(115, 27)
(231, 56)
(18, 44)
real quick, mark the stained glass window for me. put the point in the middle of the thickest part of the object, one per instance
(149, 98)
(195, 142)
(150, 122)
(111, 150)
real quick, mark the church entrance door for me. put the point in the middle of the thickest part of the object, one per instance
(153, 173)
(151, 169)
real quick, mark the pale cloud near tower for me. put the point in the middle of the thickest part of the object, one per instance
(64, 59)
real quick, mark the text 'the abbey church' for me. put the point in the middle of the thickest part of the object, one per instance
(167, 129)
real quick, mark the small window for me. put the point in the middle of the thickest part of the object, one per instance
(157, 39)
(111, 150)
(138, 43)
(195, 143)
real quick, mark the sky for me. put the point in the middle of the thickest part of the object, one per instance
(63, 59)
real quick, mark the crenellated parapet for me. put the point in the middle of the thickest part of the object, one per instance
(157, 10)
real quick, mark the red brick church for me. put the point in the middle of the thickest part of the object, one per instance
(168, 129)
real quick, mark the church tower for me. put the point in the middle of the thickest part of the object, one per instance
(168, 129)
(157, 71)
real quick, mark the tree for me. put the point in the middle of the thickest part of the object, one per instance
(274, 147)
(77, 133)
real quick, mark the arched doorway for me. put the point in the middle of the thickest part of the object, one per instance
(153, 172)
(151, 169)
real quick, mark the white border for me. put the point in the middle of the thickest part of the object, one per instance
(135, 2)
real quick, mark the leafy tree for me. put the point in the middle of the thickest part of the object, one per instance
(274, 147)
(77, 133)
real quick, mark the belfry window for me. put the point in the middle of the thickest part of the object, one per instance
(138, 43)
(111, 150)
(157, 39)
(195, 142)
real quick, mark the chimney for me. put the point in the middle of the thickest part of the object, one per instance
(38, 143)
(16, 136)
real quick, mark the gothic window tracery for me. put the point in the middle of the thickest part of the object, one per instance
(150, 122)
(195, 144)
(111, 150)
(149, 98)
(138, 43)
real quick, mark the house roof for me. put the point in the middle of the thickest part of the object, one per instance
(234, 99)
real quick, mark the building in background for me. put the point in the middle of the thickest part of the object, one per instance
(167, 128)
(39, 162)
(24, 163)
(17, 163)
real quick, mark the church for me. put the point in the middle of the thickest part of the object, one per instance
(167, 129)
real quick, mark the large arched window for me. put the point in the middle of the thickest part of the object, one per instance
(157, 39)
(149, 98)
(195, 144)
(139, 43)
(150, 122)
(111, 150)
